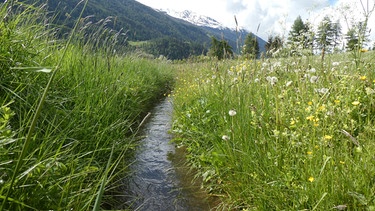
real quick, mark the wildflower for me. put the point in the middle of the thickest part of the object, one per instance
(312, 70)
(311, 118)
(363, 78)
(311, 179)
(322, 90)
(292, 122)
(342, 162)
(309, 103)
(340, 207)
(337, 101)
(276, 133)
(327, 137)
(225, 138)
(314, 79)
(273, 80)
(232, 112)
(335, 64)
(288, 83)
(309, 153)
(322, 108)
(369, 91)
(355, 103)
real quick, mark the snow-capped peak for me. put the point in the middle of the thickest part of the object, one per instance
(194, 18)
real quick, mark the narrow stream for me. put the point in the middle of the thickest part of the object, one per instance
(160, 180)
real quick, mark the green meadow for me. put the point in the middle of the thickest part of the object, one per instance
(294, 133)
(281, 134)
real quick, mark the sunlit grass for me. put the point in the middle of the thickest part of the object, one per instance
(85, 132)
(301, 136)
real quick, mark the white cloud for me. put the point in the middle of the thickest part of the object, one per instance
(274, 16)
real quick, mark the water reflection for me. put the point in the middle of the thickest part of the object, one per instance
(159, 182)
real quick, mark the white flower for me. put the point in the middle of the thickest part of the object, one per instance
(225, 137)
(335, 64)
(273, 80)
(312, 70)
(288, 83)
(256, 80)
(232, 112)
(277, 64)
(314, 79)
(322, 90)
(369, 91)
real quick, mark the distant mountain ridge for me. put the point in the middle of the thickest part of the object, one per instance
(194, 18)
(144, 23)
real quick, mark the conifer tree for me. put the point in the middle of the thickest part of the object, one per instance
(298, 33)
(220, 49)
(325, 35)
(251, 47)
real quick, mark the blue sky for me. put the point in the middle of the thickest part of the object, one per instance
(273, 16)
(332, 2)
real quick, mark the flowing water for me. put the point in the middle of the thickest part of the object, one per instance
(160, 180)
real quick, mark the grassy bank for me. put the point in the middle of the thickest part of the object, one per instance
(87, 125)
(281, 134)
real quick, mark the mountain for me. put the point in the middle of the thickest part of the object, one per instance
(189, 33)
(194, 18)
(235, 37)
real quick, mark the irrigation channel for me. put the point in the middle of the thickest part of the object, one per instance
(160, 179)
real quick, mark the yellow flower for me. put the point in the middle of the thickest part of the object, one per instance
(309, 153)
(311, 179)
(327, 137)
(342, 162)
(311, 118)
(337, 101)
(363, 78)
(322, 108)
(355, 103)
(309, 103)
(292, 122)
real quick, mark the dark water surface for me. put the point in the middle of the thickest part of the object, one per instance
(160, 180)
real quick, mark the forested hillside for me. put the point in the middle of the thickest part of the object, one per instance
(165, 35)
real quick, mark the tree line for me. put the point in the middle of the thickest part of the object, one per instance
(302, 38)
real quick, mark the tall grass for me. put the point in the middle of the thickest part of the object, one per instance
(281, 134)
(84, 132)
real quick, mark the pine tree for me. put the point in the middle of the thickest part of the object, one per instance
(298, 32)
(220, 49)
(325, 35)
(336, 28)
(300, 36)
(251, 47)
(352, 39)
